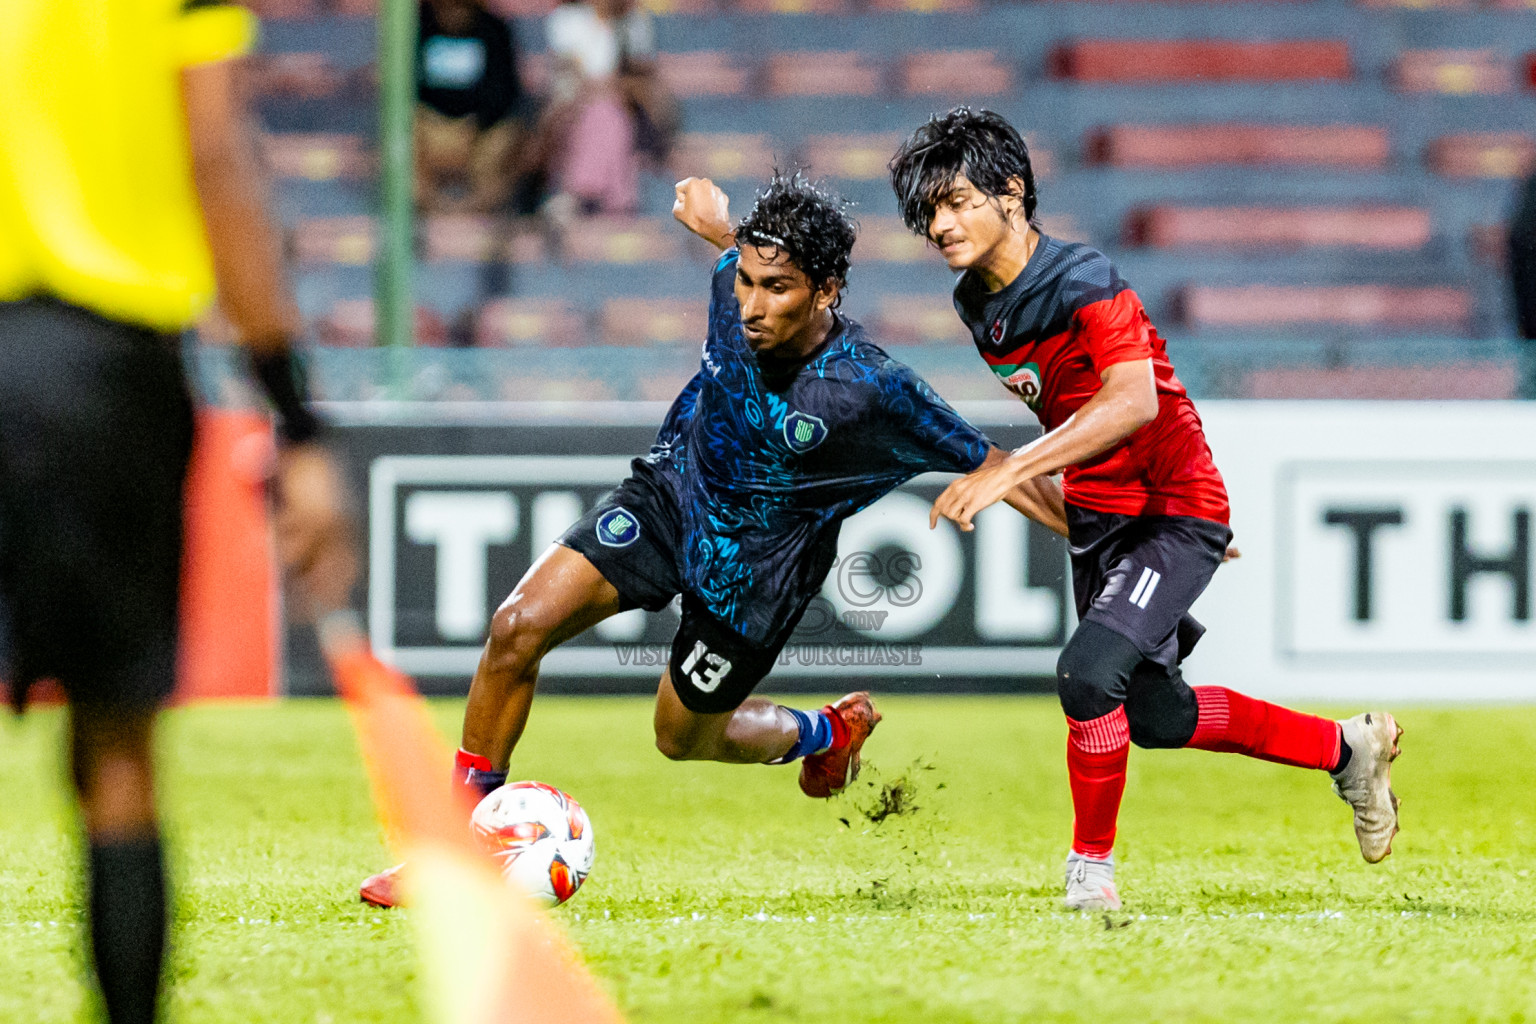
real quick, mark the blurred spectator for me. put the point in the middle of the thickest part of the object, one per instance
(470, 99)
(608, 108)
(1522, 270)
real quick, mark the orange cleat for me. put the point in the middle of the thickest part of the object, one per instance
(383, 889)
(853, 719)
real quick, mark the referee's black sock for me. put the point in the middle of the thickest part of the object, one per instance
(127, 885)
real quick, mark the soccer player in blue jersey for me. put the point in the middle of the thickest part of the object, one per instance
(794, 422)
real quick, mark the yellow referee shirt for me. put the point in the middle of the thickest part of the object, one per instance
(97, 202)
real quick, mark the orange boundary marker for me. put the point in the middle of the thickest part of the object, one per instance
(489, 956)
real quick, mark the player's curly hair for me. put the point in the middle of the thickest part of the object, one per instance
(979, 144)
(808, 223)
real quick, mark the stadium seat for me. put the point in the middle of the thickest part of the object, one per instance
(822, 73)
(887, 240)
(722, 155)
(851, 156)
(703, 73)
(1354, 306)
(349, 241)
(1482, 380)
(305, 75)
(622, 240)
(1482, 155)
(917, 320)
(284, 10)
(1254, 227)
(664, 7)
(522, 8)
(511, 323)
(1425, 4)
(1201, 60)
(631, 321)
(317, 156)
(791, 6)
(1358, 147)
(923, 6)
(350, 323)
(955, 73)
(1453, 72)
(466, 238)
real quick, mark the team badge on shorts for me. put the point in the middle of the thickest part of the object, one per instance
(618, 528)
(802, 432)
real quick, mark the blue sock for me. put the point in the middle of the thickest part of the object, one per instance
(815, 734)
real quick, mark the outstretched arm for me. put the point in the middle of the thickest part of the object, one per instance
(704, 209)
(1126, 403)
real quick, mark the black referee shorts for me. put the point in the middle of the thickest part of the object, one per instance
(95, 434)
(633, 536)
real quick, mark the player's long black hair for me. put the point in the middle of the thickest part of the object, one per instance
(808, 223)
(979, 144)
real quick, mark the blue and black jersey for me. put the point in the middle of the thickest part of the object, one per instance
(764, 471)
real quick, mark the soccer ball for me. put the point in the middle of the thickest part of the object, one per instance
(540, 836)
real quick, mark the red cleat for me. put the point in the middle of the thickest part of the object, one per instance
(853, 719)
(384, 888)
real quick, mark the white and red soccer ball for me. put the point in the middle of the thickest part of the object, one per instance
(540, 836)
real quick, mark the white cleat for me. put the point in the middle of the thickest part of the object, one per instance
(1366, 782)
(1090, 884)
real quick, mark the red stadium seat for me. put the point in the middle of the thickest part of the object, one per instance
(1202, 60)
(466, 238)
(1254, 227)
(791, 6)
(512, 323)
(1453, 72)
(349, 241)
(822, 73)
(1449, 381)
(887, 240)
(630, 321)
(722, 155)
(917, 320)
(1254, 145)
(852, 156)
(280, 10)
(317, 156)
(955, 73)
(680, 6)
(923, 6)
(303, 75)
(703, 73)
(1482, 155)
(1423, 4)
(1372, 306)
(623, 240)
(351, 324)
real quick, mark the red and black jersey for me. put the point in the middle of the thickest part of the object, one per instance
(1050, 334)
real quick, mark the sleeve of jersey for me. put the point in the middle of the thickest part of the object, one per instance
(927, 434)
(210, 31)
(722, 285)
(1113, 330)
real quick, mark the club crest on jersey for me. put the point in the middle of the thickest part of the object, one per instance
(802, 432)
(996, 331)
(1023, 379)
(618, 528)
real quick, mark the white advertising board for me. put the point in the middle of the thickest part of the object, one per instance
(1387, 552)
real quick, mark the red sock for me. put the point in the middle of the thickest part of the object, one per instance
(1097, 751)
(1233, 723)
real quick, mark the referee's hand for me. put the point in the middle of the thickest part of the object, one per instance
(316, 534)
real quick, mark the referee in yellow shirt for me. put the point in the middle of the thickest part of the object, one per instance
(128, 185)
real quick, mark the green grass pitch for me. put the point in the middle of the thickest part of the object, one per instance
(721, 894)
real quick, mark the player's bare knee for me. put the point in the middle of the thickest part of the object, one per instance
(675, 746)
(519, 636)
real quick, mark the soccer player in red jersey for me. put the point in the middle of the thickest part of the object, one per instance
(1145, 507)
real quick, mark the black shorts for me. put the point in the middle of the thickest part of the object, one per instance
(95, 433)
(1139, 575)
(633, 536)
